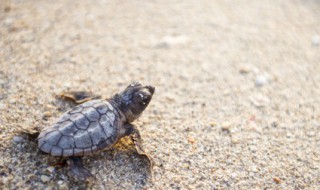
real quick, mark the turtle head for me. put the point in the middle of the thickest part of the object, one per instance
(134, 100)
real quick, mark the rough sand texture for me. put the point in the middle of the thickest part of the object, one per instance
(237, 103)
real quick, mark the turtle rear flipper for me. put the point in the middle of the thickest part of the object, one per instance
(77, 170)
(78, 97)
(30, 132)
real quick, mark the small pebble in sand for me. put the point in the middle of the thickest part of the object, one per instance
(234, 175)
(50, 169)
(277, 180)
(225, 126)
(2, 106)
(175, 40)
(254, 169)
(8, 21)
(191, 140)
(7, 8)
(168, 41)
(244, 70)
(45, 178)
(46, 115)
(62, 185)
(213, 124)
(17, 139)
(12, 101)
(259, 100)
(60, 182)
(315, 40)
(261, 80)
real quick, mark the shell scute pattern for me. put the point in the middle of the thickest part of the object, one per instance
(56, 151)
(68, 128)
(96, 133)
(78, 152)
(102, 144)
(66, 142)
(77, 109)
(45, 147)
(82, 139)
(91, 113)
(46, 131)
(64, 117)
(108, 129)
(53, 137)
(109, 106)
(87, 151)
(111, 115)
(104, 120)
(107, 125)
(101, 107)
(68, 152)
(90, 103)
(86, 129)
(80, 120)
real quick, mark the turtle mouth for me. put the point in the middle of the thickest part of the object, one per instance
(151, 89)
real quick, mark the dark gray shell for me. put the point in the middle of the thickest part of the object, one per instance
(83, 130)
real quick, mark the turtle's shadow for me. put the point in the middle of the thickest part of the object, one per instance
(118, 167)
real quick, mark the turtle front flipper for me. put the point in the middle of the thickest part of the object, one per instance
(78, 171)
(135, 136)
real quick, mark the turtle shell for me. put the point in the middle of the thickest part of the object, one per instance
(83, 130)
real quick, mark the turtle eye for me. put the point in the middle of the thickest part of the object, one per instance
(142, 99)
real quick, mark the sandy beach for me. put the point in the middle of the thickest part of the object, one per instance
(237, 101)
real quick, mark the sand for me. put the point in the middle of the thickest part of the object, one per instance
(237, 102)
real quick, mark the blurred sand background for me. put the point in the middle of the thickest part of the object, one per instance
(237, 103)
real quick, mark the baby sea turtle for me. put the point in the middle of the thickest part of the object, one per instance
(96, 125)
